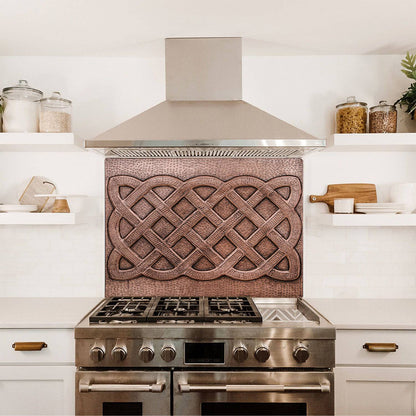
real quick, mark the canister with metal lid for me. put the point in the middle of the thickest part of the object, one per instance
(21, 108)
(351, 116)
(383, 118)
(55, 114)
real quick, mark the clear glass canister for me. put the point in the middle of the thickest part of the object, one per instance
(383, 118)
(55, 114)
(351, 117)
(21, 108)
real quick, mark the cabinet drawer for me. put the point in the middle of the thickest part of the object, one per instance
(60, 346)
(349, 347)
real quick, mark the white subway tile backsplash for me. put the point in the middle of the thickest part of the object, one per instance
(338, 262)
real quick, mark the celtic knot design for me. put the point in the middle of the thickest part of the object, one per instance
(204, 228)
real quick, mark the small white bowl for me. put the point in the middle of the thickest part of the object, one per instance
(404, 193)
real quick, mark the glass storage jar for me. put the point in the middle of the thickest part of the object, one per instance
(383, 118)
(21, 108)
(351, 117)
(55, 114)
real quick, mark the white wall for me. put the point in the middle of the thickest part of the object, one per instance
(69, 260)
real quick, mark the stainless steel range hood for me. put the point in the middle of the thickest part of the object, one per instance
(204, 114)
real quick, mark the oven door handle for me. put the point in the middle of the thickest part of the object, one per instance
(234, 388)
(151, 388)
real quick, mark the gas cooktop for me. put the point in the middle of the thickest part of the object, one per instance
(168, 309)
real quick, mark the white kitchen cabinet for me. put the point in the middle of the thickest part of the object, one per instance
(375, 391)
(37, 390)
(375, 383)
(37, 382)
(366, 382)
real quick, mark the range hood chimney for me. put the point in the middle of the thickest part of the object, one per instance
(204, 114)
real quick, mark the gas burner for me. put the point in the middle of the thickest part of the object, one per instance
(230, 309)
(171, 308)
(122, 310)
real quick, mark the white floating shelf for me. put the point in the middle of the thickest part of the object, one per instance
(38, 142)
(368, 220)
(35, 218)
(381, 142)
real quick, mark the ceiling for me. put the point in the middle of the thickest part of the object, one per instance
(269, 27)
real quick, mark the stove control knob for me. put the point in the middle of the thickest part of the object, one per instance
(240, 353)
(262, 353)
(119, 353)
(168, 353)
(301, 353)
(97, 353)
(146, 354)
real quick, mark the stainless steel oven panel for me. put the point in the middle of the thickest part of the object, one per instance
(192, 388)
(151, 388)
(321, 352)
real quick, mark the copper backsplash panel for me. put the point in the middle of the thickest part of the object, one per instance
(204, 227)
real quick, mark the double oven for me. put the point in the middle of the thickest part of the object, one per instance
(208, 368)
(204, 393)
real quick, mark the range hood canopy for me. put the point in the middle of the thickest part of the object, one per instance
(204, 114)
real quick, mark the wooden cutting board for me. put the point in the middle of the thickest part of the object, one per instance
(38, 185)
(361, 192)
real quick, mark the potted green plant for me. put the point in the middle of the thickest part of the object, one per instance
(408, 99)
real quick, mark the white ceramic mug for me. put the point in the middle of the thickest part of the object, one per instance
(404, 193)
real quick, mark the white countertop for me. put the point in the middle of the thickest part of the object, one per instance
(44, 312)
(368, 313)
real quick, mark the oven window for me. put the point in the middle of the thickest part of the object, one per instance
(231, 408)
(122, 409)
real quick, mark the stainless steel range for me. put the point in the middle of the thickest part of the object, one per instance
(204, 356)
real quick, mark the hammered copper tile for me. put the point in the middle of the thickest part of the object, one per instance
(204, 227)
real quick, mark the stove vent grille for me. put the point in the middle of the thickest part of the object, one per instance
(220, 152)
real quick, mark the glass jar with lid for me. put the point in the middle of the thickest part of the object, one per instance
(21, 108)
(55, 114)
(383, 118)
(351, 116)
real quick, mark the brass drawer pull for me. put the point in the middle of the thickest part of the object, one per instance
(29, 346)
(380, 347)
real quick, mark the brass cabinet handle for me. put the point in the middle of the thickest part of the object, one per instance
(29, 346)
(380, 347)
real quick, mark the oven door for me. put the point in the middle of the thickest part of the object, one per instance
(253, 393)
(122, 393)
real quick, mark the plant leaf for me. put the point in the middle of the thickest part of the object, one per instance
(407, 73)
(408, 63)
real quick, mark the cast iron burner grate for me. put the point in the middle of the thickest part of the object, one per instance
(123, 310)
(231, 309)
(175, 308)
(170, 309)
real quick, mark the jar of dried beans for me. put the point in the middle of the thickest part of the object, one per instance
(351, 117)
(383, 118)
(55, 114)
